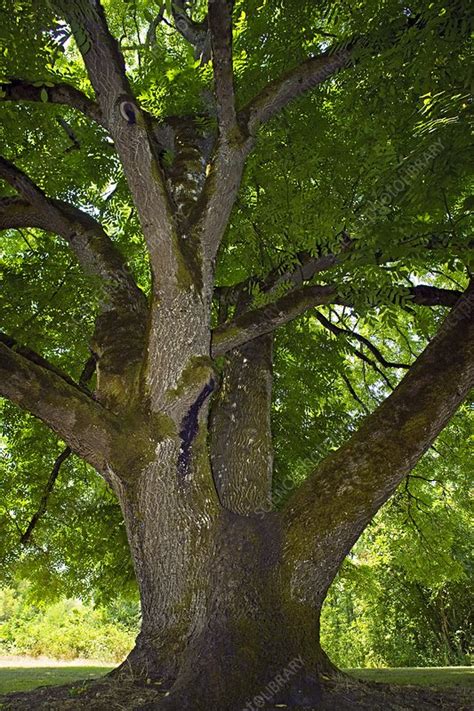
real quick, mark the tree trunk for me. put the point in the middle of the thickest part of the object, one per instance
(219, 622)
(220, 626)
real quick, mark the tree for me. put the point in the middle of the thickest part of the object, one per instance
(175, 107)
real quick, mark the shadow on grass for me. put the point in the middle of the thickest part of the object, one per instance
(421, 676)
(26, 678)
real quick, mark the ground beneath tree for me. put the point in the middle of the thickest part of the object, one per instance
(340, 695)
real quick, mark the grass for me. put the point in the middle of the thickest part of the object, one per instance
(26, 678)
(421, 676)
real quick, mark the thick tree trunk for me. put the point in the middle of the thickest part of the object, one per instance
(220, 625)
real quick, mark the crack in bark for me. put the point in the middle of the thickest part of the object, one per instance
(189, 429)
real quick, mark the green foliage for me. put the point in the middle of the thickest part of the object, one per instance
(80, 546)
(67, 629)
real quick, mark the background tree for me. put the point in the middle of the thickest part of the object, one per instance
(184, 184)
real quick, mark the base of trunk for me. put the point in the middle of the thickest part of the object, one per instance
(252, 645)
(303, 692)
(224, 686)
(144, 665)
(231, 669)
(346, 695)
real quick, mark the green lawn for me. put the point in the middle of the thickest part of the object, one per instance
(423, 676)
(25, 678)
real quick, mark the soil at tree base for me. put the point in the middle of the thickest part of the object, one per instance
(107, 695)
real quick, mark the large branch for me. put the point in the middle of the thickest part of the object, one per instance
(24, 90)
(93, 248)
(133, 137)
(303, 266)
(240, 421)
(19, 90)
(220, 24)
(88, 428)
(425, 295)
(313, 72)
(196, 33)
(121, 325)
(327, 514)
(276, 95)
(222, 185)
(307, 266)
(39, 360)
(266, 319)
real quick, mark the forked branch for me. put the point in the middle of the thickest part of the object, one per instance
(266, 319)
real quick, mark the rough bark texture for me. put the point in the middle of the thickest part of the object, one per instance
(225, 627)
(241, 446)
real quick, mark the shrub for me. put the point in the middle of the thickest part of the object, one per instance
(67, 629)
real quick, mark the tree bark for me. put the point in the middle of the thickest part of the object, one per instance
(241, 439)
(220, 626)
